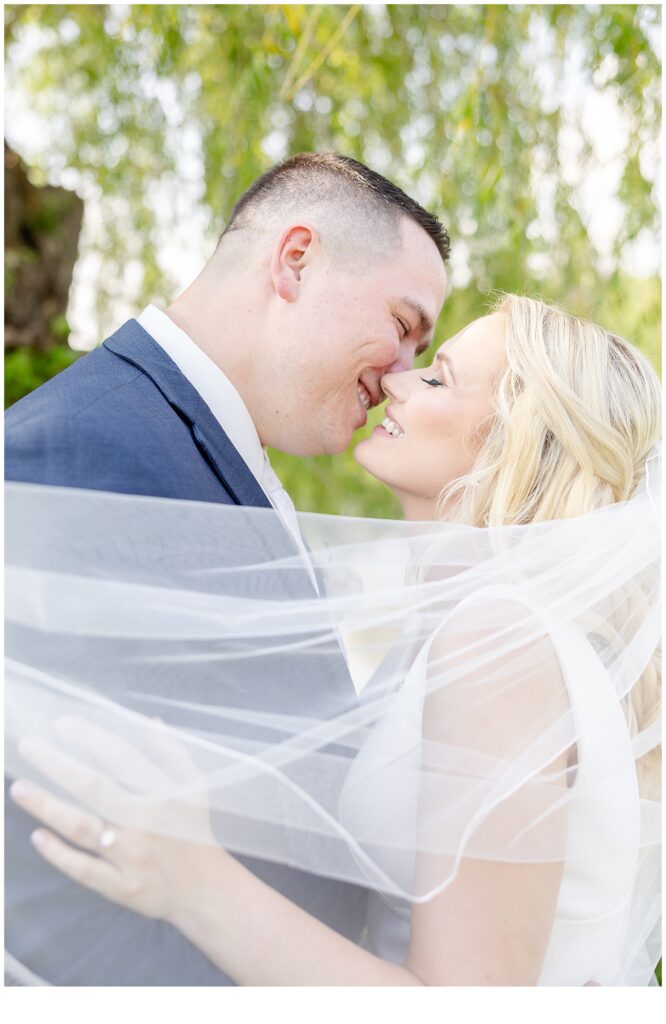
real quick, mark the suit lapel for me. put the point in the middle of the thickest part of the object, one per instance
(131, 343)
(137, 347)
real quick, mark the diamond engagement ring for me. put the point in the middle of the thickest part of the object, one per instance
(107, 838)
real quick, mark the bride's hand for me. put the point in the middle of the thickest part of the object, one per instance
(138, 866)
(150, 874)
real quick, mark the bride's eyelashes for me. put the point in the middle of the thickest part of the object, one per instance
(433, 382)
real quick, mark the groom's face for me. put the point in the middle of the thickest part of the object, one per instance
(341, 332)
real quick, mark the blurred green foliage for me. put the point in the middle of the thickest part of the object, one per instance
(26, 369)
(475, 110)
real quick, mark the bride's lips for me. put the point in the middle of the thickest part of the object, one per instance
(389, 413)
(390, 427)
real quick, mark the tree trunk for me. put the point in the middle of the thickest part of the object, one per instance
(42, 227)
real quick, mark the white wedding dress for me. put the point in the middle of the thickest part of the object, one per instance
(587, 942)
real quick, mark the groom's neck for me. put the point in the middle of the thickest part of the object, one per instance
(222, 328)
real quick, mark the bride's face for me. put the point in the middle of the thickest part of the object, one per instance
(435, 414)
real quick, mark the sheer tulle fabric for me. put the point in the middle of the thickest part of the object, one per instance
(177, 656)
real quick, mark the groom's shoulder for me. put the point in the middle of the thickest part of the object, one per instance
(79, 393)
(99, 387)
(101, 408)
(90, 375)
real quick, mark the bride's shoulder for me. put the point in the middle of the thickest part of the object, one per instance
(494, 670)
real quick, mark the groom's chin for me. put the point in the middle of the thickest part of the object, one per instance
(335, 442)
(307, 448)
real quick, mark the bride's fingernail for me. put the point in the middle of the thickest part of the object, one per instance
(38, 839)
(18, 791)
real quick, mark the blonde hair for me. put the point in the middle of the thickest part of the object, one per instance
(576, 413)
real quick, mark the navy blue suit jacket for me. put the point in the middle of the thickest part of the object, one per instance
(125, 419)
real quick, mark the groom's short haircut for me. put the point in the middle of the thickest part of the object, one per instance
(357, 211)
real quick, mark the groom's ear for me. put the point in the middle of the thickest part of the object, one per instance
(294, 251)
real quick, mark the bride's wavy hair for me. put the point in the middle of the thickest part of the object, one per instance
(576, 414)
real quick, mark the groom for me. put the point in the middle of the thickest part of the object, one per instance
(326, 277)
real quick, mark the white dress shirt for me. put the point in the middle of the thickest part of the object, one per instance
(229, 410)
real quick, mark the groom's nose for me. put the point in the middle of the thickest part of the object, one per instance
(405, 357)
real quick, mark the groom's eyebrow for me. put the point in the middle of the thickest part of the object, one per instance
(425, 324)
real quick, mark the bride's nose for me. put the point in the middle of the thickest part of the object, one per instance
(395, 385)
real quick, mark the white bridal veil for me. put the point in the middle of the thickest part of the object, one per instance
(443, 692)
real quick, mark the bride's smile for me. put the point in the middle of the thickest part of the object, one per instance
(435, 416)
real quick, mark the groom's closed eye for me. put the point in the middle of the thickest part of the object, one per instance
(424, 323)
(405, 329)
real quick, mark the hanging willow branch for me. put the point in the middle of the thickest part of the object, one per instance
(326, 52)
(303, 44)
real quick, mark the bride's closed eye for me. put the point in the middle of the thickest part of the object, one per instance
(434, 382)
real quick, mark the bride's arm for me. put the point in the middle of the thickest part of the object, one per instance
(492, 925)
(259, 937)
(489, 927)
(250, 931)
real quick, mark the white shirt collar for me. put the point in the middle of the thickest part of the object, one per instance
(213, 385)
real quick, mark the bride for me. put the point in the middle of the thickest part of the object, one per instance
(495, 782)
